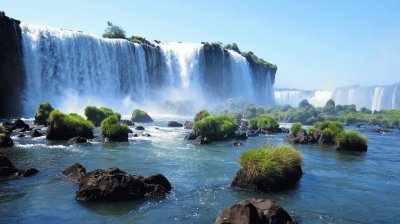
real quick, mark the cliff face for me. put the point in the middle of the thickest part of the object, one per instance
(11, 67)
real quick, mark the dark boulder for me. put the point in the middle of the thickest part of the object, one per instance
(301, 137)
(240, 135)
(141, 116)
(357, 147)
(6, 167)
(27, 172)
(284, 130)
(19, 124)
(99, 139)
(201, 140)
(20, 135)
(127, 122)
(254, 211)
(139, 128)
(188, 125)
(35, 133)
(146, 135)
(237, 143)
(75, 172)
(135, 135)
(77, 139)
(174, 124)
(116, 185)
(6, 141)
(191, 136)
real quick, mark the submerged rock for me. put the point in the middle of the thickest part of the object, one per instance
(75, 172)
(240, 135)
(174, 124)
(146, 135)
(127, 122)
(77, 139)
(352, 147)
(27, 172)
(8, 169)
(139, 128)
(35, 133)
(254, 211)
(191, 136)
(115, 185)
(237, 143)
(201, 140)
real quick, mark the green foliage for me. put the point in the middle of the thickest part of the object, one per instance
(233, 47)
(350, 138)
(200, 115)
(70, 122)
(97, 114)
(296, 127)
(267, 122)
(329, 127)
(270, 161)
(215, 127)
(2, 131)
(110, 128)
(252, 58)
(140, 40)
(216, 44)
(311, 131)
(114, 31)
(140, 116)
(304, 104)
(43, 111)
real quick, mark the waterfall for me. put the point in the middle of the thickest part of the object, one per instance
(293, 97)
(71, 70)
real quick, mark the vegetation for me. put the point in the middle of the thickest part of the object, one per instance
(140, 40)
(2, 131)
(215, 127)
(65, 126)
(43, 111)
(296, 127)
(114, 31)
(200, 115)
(140, 116)
(265, 121)
(114, 131)
(233, 47)
(97, 114)
(270, 161)
(349, 138)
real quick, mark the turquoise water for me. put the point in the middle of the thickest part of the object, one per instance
(336, 187)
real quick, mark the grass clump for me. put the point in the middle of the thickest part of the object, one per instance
(350, 138)
(200, 115)
(2, 131)
(97, 114)
(140, 116)
(265, 121)
(111, 129)
(296, 127)
(270, 161)
(43, 111)
(215, 127)
(65, 126)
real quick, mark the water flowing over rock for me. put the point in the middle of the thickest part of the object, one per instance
(63, 64)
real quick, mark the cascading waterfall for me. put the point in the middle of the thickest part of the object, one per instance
(71, 69)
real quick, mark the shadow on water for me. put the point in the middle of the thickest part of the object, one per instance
(114, 209)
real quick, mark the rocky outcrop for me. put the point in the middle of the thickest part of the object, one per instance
(127, 122)
(188, 125)
(75, 172)
(254, 211)
(77, 140)
(141, 116)
(139, 128)
(35, 133)
(116, 185)
(190, 136)
(7, 169)
(12, 79)
(200, 140)
(174, 124)
(355, 147)
(6, 141)
(301, 137)
(240, 135)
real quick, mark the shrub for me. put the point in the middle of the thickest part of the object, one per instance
(65, 126)
(233, 47)
(97, 114)
(266, 122)
(296, 127)
(111, 129)
(311, 131)
(114, 31)
(350, 138)
(200, 115)
(43, 111)
(140, 116)
(334, 127)
(2, 131)
(215, 127)
(270, 161)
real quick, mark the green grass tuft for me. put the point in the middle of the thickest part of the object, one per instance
(296, 127)
(43, 111)
(215, 127)
(351, 138)
(267, 122)
(71, 122)
(97, 114)
(110, 128)
(200, 115)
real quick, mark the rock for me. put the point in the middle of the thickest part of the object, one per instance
(352, 147)
(140, 116)
(135, 135)
(6, 141)
(99, 139)
(240, 135)
(284, 130)
(254, 211)
(20, 135)
(267, 183)
(19, 124)
(75, 172)
(237, 143)
(127, 122)
(174, 124)
(77, 139)
(201, 140)
(139, 128)
(188, 125)
(115, 185)
(191, 136)
(27, 172)
(146, 135)
(243, 126)
(301, 137)
(130, 131)
(22, 130)
(35, 133)
(6, 167)
(251, 134)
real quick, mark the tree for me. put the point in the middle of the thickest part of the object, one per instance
(114, 31)
(304, 104)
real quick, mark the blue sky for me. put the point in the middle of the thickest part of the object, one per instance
(317, 44)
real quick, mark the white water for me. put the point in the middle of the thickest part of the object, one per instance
(373, 97)
(71, 70)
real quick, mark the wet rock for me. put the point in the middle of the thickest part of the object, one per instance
(201, 140)
(19, 124)
(77, 140)
(240, 135)
(27, 172)
(6, 141)
(188, 125)
(237, 143)
(75, 172)
(20, 135)
(284, 130)
(115, 185)
(35, 133)
(141, 116)
(146, 135)
(254, 211)
(139, 128)
(356, 147)
(174, 124)
(135, 135)
(301, 137)
(99, 139)
(191, 136)
(6, 167)
(127, 122)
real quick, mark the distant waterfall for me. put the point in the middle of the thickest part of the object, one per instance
(71, 69)
(293, 97)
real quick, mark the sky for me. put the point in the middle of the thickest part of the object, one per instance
(316, 44)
